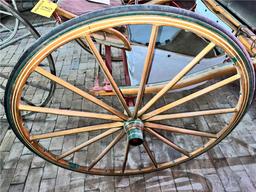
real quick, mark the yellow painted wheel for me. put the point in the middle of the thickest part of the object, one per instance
(170, 121)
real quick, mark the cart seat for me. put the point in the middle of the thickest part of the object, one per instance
(243, 10)
(79, 7)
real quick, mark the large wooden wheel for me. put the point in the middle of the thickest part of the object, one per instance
(106, 135)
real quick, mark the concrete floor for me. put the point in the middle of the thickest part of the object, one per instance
(229, 166)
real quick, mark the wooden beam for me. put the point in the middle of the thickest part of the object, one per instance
(71, 113)
(65, 13)
(146, 68)
(125, 156)
(76, 130)
(106, 150)
(85, 144)
(193, 79)
(151, 156)
(167, 141)
(179, 130)
(192, 114)
(107, 73)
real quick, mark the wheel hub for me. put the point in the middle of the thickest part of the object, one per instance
(134, 131)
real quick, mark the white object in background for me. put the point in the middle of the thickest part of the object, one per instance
(107, 2)
(201, 9)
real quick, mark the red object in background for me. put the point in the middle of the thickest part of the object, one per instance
(185, 4)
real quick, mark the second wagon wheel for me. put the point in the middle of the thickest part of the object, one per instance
(9, 23)
(187, 85)
(44, 89)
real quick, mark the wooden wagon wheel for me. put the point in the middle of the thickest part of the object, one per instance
(9, 31)
(159, 143)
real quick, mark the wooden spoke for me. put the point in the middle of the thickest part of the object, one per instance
(65, 112)
(76, 130)
(151, 156)
(167, 141)
(195, 78)
(146, 69)
(80, 92)
(192, 114)
(95, 139)
(179, 130)
(191, 96)
(107, 73)
(179, 76)
(106, 150)
(125, 156)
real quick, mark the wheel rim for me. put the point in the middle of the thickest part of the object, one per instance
(151, 128)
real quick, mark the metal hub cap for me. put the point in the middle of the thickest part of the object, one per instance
(134, 131)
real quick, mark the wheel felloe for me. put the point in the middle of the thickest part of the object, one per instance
(134, 131)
